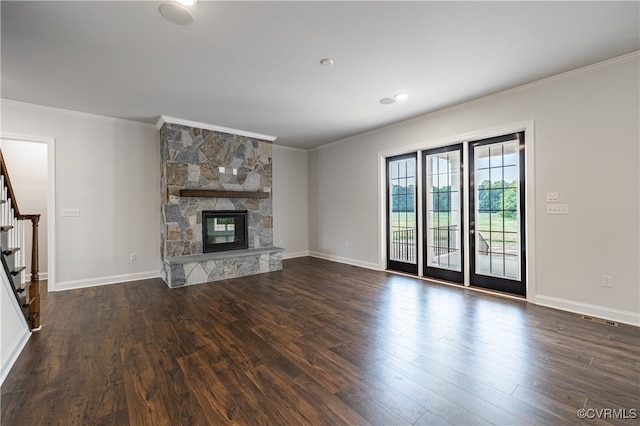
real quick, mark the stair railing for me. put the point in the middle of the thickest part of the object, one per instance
(11, 216)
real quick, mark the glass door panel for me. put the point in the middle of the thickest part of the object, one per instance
(402, 242)
(496, 221)
(443, 249)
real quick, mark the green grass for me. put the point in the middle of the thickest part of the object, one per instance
(496, 222)
(403, 219)
(486, 221)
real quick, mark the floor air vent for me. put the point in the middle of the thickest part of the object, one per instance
(599, 320)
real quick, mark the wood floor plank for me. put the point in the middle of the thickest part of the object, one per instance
(463, 375)
(324, 367)
(431, 419)
(143, 387)
(392, 399)
(252, 403)
(318, 343)
(564, 408)
(216, 401)
(275, 386)
(334, 410)
(369, 408)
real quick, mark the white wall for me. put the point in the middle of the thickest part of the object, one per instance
(27, 166)
(290, 201)
(343, 202)
(586, 149)
(109, 169)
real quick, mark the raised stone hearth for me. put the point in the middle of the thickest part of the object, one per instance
(206, 168)
(208, 267)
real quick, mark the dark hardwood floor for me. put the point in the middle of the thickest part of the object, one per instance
(317, 343)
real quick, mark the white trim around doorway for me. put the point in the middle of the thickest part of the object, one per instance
(51, 200)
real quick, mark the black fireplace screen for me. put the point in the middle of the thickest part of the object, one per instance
(224, 230)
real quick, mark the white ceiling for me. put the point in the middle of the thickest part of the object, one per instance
(254, 66)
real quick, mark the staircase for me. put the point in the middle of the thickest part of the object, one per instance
(13, 226)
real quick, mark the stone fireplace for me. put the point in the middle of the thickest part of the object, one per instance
(210, 169)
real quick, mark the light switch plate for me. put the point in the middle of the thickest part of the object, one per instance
(70, 212)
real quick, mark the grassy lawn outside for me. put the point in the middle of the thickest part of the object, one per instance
(403, 220)
(486, 222)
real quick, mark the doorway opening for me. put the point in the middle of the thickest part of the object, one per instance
(19, 153)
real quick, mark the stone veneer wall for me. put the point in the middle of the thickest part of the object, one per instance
(191, 159)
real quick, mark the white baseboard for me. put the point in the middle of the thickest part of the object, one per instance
(114, 279)
(618, 315)
(353, 262)
(12, 354)
(293, 255)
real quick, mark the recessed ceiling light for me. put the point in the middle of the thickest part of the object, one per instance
(401, 96)
(187, 2)
(326, 62)
(176, 13)
(387, 101)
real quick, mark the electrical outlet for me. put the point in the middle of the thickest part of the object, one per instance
(133, 257)
(606, 281)
(557, 209)
(552, 197)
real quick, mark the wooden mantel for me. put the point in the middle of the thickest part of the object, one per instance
(213, 193)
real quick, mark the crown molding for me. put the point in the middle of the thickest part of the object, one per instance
(290, 148)
(172, 120)
(71, 112)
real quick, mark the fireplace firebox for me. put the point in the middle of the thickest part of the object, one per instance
(224, 230)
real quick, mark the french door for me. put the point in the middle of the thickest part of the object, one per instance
(496, 213)
(487, 247)
(402, 226)
(443, 252)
